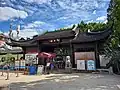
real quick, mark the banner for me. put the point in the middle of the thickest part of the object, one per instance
(31, 58)
(80, 64)
(91, 65)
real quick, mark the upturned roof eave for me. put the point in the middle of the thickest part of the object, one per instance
(88, 37)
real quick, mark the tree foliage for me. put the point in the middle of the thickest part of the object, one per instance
(113, 43)
(7, 60)
(84, 27)
(114, 15)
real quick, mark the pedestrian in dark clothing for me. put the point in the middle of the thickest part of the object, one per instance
(45, 63)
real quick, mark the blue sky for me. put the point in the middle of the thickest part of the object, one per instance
(37, 16)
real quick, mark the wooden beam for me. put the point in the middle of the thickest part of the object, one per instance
(39, 46)
(24, 51)
(72, 55)
(97, 56)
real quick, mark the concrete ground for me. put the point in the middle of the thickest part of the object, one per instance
(22, 78)
(75, 81)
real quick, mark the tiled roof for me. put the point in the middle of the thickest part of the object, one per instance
(57, 35)
(92, 36)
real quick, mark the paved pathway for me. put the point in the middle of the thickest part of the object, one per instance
(77, 81)
(21, 78)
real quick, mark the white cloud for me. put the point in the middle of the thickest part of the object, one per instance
(79, 4)
(63, 18)
(3, 3)
(94, 12)
(34, 24)
(25, 33)
(38, 1)
(28, 33)
(8, 13)
(102, 18)
(90, 21)
(40, 26)
(105, 21)
(32, 29)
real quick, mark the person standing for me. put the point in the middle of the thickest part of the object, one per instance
(51, 66)
(45, 63)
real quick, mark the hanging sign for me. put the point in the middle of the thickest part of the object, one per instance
(80, 64)
(91, 65)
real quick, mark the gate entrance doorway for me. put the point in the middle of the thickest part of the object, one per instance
(60, 62)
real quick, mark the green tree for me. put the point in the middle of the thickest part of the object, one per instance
(113, 43)
(84, 27)
(114, 15)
